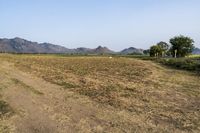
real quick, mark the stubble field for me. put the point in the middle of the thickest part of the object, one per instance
(112, 94)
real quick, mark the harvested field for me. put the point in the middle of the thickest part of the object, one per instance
(97, 94)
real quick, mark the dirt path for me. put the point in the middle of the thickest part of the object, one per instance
(41, 107)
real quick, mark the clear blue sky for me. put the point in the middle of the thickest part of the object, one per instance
(116, 24)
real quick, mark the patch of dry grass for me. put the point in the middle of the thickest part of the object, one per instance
(18, 82)
(163, 99)
(6, 111)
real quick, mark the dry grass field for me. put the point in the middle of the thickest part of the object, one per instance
(48, 93)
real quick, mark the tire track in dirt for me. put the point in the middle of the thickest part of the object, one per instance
(56, 110)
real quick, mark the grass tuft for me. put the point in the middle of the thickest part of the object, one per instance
(5, 109)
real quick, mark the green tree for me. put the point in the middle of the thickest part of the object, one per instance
(155, 51)
(183, 45)
(164, 47)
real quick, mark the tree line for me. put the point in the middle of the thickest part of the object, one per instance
(180, 46)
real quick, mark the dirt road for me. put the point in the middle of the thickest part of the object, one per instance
(41, 107)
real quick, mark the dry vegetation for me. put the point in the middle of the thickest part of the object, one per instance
(5, 113)
(158, 99)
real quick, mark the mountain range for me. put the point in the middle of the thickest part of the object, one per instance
(132, 50)
(19, 45)
(196, 51)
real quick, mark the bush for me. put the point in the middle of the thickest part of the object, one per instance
(182, 63)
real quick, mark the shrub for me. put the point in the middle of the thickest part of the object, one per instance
(182, 63)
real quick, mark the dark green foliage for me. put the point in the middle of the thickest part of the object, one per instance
(164, 46)
(190, 64)
(155, 51)
(182, 63)
(183, 45)
(159, 50)
(135, 53)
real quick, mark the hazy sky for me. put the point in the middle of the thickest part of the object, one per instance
(116, 24)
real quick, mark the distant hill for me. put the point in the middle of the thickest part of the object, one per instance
(82, 50)
(102, 50)
(132, 50)
(51, 48)
(196, 51)
(19, 45)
